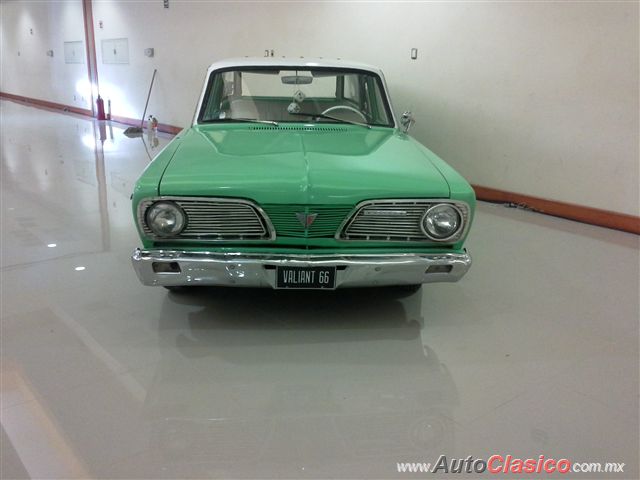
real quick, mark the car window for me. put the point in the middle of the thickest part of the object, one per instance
(352, 88)
(287, 95)
(259, 84)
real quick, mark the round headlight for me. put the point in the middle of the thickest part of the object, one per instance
(441, 221)
(165, 219)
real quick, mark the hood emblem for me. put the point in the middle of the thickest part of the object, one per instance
(306, 219)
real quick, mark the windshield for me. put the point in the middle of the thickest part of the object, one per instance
(295, 95)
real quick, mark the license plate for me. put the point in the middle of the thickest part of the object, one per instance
(306, 277)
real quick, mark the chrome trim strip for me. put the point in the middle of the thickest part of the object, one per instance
(144, 204)
(427, 202)
(259, 270)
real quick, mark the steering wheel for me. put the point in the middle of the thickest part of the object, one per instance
(346, 107)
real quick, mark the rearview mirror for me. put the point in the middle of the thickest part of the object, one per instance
(406, 120)
(296, 80)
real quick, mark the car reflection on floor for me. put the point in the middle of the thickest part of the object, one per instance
(297, 383)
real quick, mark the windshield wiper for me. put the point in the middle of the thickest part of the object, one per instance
(248, 120)
(322, 115)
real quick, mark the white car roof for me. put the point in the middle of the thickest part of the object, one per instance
(291, 62)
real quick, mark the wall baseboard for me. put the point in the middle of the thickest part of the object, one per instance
(36, 102)
(579, 213)
(46, 104)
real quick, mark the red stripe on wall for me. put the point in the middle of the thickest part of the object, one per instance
(579, 213)
(45, 104)
(35, 102)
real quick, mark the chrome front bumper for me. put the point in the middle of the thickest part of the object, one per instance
(176, 267)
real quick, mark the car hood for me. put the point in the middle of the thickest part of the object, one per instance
(333, 164)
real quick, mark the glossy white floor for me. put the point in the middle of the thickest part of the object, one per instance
(534, 352)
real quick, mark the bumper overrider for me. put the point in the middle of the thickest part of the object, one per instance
(178, 267)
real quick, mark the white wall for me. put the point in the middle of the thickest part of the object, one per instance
(32, 73)
(536, 98)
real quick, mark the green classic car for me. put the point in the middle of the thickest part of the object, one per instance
(296, 174)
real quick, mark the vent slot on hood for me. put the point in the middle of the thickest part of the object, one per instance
(300, 128)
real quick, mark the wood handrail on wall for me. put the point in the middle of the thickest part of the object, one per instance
(579, 213)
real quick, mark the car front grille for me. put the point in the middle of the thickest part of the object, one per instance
(216, 219)
(224, 219)
(393, 220)
(286, 221)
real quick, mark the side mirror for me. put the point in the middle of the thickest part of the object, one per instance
(406, 120)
